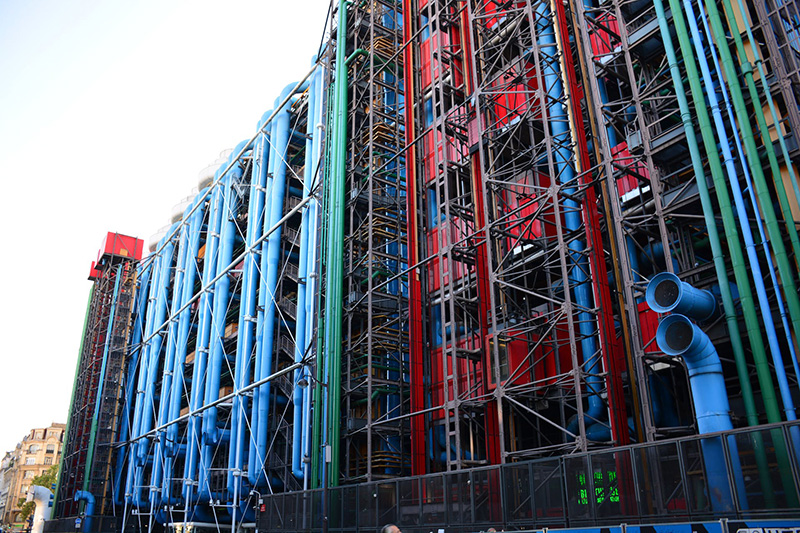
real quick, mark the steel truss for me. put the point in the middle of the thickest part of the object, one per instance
(375, 393)
(88, 459)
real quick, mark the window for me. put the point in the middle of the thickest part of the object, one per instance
(33, 448)
(30, 460)
(29, 474)
(48, 460)
(51, 448)
(39, 435)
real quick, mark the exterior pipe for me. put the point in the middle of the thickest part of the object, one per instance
(677, 336)
(85, 496)
(780, 371)
(750, 246)
(195, 225)
(254, 466)
(160, 459)
(743, 60)
(300, 392)
(152, 265)
(729, 223)
(270, 261)
(43, 499)
(573, 222)
(211, 434)
(667, 293)
(99, 394)
(774, 232)
(199, 373)
(709, 215)
(247, 310)
(312, 279)
(335, 273)
(132, 365)
(154, 349)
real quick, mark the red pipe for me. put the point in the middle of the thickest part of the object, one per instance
(414, 286)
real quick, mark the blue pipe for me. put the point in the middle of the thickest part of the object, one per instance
(88, 513)
(184, 319)
(558, 121)
(160, 459)
(211, 433)
(190, 246)
(280, 143)
(153, 266)
(302, 373)
(253, 465)
(678, 336)
(780, 371)
(667, 293)
(199, 374)
(132, 365)
(313, 263)
(247, 310)
(741, 210)
(155, 317)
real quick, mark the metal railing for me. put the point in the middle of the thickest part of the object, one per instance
(667, 481)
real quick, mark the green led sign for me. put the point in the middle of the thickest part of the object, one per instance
(605, 487)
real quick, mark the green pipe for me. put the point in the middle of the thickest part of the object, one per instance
(320, 363)
(72, 398)
(765, 138)
(729, 222)
(716, 251)
(335, 272)
(762, 190)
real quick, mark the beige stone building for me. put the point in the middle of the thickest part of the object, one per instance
(39, 450)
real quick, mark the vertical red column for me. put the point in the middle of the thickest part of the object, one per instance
(602, 293)
(416, 347)
(481, 263)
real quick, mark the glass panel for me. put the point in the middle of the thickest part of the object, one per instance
(486, 496)
(349, 503)
(334, 508)
(762, 469)
(367, 499)
(433, 500)
(290, 511)
(579, 487)
(518, 502)
(612, 477)
(458, 499)
(409, 502)
(316, 510)
(659, 484)
(387, 503)
(707, 476)
(548, 491)
(277, 512)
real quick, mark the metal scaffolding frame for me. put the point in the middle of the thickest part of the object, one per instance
(375, 332)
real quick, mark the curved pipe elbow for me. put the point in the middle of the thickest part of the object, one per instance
(667, 293)
(678, 336)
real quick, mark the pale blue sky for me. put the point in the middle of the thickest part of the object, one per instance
(108, 111)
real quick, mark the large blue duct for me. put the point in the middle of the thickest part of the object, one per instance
(667, 293)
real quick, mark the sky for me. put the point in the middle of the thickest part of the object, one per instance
(108, 112)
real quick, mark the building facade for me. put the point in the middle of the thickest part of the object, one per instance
(33, 456)
(481, 266)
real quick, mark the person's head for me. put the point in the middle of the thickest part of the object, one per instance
(390, 528)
